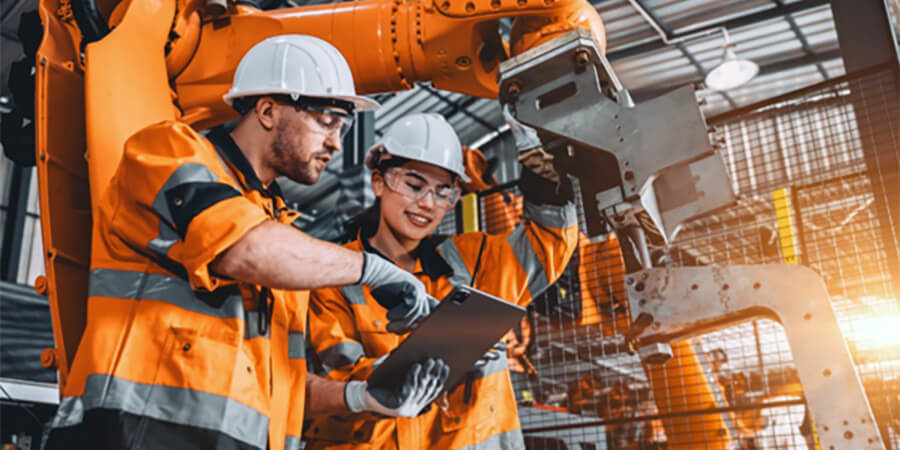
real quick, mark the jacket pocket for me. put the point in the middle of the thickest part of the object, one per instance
(341, 428)
(378, 343)
(203, 359)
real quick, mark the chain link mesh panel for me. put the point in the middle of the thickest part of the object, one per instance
(817, 175)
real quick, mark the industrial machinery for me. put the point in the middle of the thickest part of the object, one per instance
(106, 69)
(657, 164)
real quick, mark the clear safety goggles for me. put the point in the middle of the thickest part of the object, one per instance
(414, 186)
(338, 120)
(330, 120)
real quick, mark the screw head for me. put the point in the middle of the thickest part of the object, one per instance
(582, 58)
(513, 89)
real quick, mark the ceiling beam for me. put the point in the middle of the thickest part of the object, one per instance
(802, 38)
(457, 106)
(680, 45)
(738, 22)
(772, 67)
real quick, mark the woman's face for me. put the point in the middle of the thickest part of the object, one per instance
(409, 217)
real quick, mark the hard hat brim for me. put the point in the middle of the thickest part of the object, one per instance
(462, 175)
(360, 103)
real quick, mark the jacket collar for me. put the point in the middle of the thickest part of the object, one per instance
(427, 257)
(221, 139)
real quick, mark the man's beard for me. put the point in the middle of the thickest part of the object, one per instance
(288, 163)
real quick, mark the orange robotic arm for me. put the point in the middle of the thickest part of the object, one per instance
(170, 59)
(390, 44)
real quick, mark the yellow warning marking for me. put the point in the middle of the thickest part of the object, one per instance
(787, 235)
(784, 217)
(470, 213)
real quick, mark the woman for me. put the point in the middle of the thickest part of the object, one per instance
(417, 169)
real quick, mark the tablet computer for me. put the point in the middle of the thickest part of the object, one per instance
(463, 327)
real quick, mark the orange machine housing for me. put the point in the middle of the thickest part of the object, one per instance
(174, 59)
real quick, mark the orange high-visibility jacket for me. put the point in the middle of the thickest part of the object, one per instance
(174, 356)
(348, 334)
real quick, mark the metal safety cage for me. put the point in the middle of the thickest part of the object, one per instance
(817, 177)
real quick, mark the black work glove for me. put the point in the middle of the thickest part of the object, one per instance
(398, 291)
(405, 310)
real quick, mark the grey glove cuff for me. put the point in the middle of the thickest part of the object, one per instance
(375, 269)
(355, 396)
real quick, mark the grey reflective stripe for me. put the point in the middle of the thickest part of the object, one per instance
(296, 345)
(340, 355)
(171, 404)
(461, 275)
(354, 294)
(165, 240)
(186, 173)
(251, 325)
(291, 443)
(528, 259)
(550, 215)
(126, 284)
(498, 365)
(510, 440)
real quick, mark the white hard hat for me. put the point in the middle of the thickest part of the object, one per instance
(296, 65)
(425, 137)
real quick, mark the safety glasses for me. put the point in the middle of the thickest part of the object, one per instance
(329, 120)
(414, 186)
(338, 120)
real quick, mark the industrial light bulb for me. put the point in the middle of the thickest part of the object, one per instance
(732, 72)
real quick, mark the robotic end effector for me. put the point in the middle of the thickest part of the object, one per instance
(652, 158)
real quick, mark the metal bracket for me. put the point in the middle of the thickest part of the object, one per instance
(678, 302)
(567, 88)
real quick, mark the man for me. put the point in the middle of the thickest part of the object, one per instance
(195, 329)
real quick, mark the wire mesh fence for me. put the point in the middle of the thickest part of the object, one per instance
(817, 177)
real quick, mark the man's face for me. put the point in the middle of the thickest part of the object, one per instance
(304, 143)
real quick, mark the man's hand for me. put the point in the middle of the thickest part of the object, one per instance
(405, 310)
(424, 382)
(402, 294)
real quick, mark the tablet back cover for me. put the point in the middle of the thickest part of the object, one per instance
(464, 326)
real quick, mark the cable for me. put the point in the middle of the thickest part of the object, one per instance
(21, 405)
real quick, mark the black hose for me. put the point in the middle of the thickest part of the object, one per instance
(90, 22)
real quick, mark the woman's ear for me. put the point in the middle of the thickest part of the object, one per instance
(377, 183)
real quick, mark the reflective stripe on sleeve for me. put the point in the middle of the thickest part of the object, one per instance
(461, 275)
(171, 404)
(186, 173)
(296, 345)
(529, 260)
(125, 284)
(291, 443)
(550, 215)
(354, 294)
(340, 355)
(165, 240)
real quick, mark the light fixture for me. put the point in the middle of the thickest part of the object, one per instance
(732, 72)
